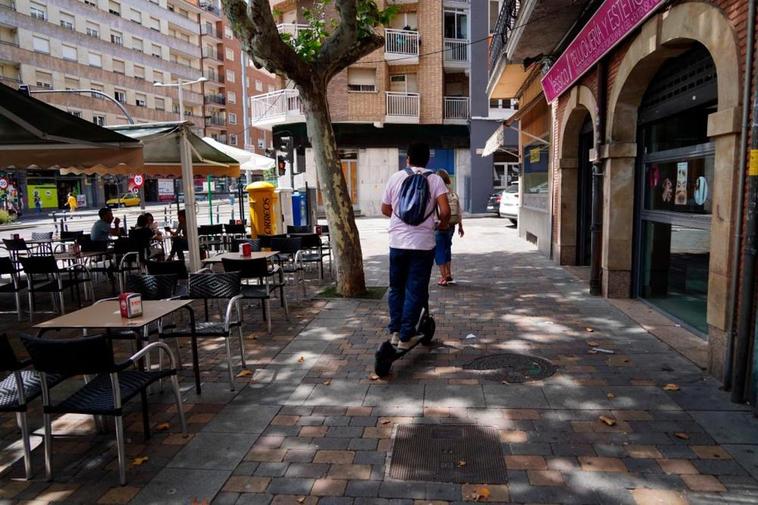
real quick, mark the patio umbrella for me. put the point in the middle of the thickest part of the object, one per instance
(35, 134)
(258, 163)
(238, 154)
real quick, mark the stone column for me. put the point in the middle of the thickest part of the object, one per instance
(565, 251)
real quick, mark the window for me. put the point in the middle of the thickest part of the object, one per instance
(137, 44)
(231, 97)
(494, 13)
(232, 139)
(261, 143)
(97, 87)
(119, 95)
(67, 21)
(456, 24)
(362, 80)
(95, 60)
(135, 16)
(271, 88)
(71, 83)
(140, 100)
(38, 11)
(155, 24)
(232, 118)
(230, 76)
(91, 3)
(75, 113)
(93, 29)
(157, 76)
(160, 104)
(229, 54)
(98, 120)
(117, 38)
(68, 52)
(139, 72)
(258, 85)
(41, 45)
(118, 66)
(157, 51)
(114, 8)
(228, 32)
(44, 79)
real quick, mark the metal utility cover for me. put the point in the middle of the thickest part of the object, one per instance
(511, 368)
(448, 453)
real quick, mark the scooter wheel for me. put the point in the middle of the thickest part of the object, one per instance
(429, 327)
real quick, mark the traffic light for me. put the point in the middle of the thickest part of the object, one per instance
(287, 146)
(281, 164)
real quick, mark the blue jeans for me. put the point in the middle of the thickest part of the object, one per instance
(444, 239)
(410, 271)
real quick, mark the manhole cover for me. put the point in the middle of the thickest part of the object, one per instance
(450, 453)
(511, 367)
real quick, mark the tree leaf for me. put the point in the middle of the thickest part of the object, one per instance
(245, 373)
(608, 420)
(139, 460)
(681, 436)
(301, 359)
(461, 463)
(373, 377)
(589, 330)
(163, 427)
(671, 387)
(610, 396)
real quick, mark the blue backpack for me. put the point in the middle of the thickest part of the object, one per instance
(414, 198)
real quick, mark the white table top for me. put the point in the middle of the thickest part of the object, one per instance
(108, 315)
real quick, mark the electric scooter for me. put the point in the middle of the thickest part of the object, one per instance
(388, 353)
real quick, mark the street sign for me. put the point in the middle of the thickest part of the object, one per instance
(3, 183)
(138, 181)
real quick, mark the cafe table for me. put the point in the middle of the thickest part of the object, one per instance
(106, 315)
(256, 255)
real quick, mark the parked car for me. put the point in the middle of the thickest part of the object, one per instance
(493, 203)
(509, 203)
(125, 200)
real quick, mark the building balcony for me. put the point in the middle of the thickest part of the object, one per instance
(456, 110)
(457, 3)
(456, 54)
(402, 107)
(8, 4)
(210, 7)
(277, 107)
(401, 2)
(292, 29)
(401, 47)
(217, 121)
(215, 100)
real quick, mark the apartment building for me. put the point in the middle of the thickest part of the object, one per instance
(417, 87)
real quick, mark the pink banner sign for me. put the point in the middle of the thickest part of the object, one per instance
(609, 25)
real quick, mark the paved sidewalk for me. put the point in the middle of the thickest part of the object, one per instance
(312, 426)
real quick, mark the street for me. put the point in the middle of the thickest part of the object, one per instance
(624, 418)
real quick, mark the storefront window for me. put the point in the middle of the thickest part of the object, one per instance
(535, 169)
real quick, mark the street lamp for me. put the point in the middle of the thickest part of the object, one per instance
(179, 84)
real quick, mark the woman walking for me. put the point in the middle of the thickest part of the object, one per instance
(444, 238)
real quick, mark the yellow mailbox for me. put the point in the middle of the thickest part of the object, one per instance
(264, 207)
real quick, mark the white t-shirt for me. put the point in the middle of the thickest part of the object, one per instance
(405, 236)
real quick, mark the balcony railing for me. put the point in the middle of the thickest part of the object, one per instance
(217, 99)
(506, 22)
(215, 121)
(292, 29)
(403, 42)
(457, 107)
(8, 4)
(456, 50)
(208, 6)
(276, 105)
(403, 105)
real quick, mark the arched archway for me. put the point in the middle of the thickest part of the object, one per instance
(667, 35)
(580, 108)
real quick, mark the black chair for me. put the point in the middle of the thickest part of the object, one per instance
(267, 239)
(128, 256)
(260, 271)
(209, 287)
(17, 248)
(290, 258)
(70, 236)
(236, 244)
(45, 248)
(237, 230)
(326, 244)
(44, 276)
(312, 251)
(299, 229)
(86, 244)
(211, 236)
(152, 287)
(15, 286)
(177, 268)
(105, 394)
(18, 389)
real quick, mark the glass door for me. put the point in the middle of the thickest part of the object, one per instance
(674, 231)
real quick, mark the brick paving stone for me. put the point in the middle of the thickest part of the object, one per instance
(601, 464)
(299, 455)
(119, 495)
(545, 477)
(643, 452)
(704, 483)
(710, 452)
(477, 493)
(658, 497)
(525, 463)
(350, 472)
(240, 484)
(313, 431)
(677, 466)
(287, 485)
(329, 487)
(362, 488)
(308, 470)
(288, 499)
(266, 455)
(282, 420)
(336, 457)
(254, 499)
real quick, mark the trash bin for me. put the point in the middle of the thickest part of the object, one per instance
(265, 216)
(299, 209)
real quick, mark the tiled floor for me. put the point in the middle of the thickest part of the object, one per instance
(313, 426)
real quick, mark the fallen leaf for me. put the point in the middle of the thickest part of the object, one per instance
(301, 499)
(139, 460)
(386, 421)
(481, 493)
(373, 377)
(592, 343)
(608, 420)
(589, 330)
(671, 387)
(682, 436)
(461, 464)
(327, 382)
(163, 427)
(196, 502)
(245, 373)
(301, 359)
(611, 396)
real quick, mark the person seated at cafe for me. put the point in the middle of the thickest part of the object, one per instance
(106, 226)
(179, 237)
(143, 235)
(157, 235)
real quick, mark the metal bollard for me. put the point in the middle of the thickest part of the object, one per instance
(218, 214)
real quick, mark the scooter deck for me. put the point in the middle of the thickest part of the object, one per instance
(387, 354)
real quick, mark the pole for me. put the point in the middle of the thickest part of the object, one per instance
(210, 198)
(240, 200)
(181, 104)
(93, 92)
(596, 227)
(189, 207)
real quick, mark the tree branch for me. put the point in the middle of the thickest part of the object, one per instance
(254, 26)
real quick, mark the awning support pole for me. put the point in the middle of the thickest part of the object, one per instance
(189, 202)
